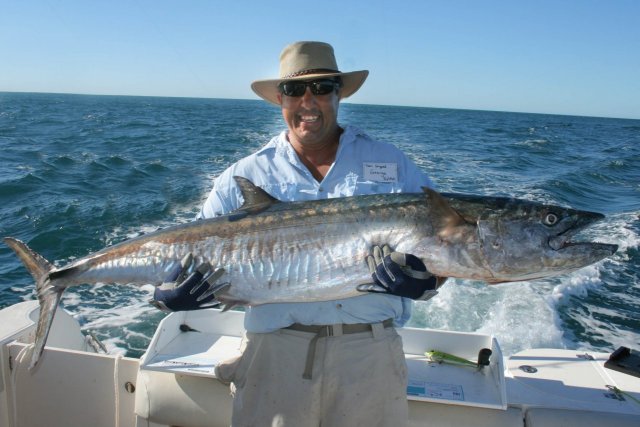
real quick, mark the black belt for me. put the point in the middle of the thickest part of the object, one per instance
(322, 331)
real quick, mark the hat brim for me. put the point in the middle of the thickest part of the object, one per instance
(351, 82)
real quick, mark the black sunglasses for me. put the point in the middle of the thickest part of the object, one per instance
(296, 88)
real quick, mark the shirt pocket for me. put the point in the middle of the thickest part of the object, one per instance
(290, 191)
(372, 187)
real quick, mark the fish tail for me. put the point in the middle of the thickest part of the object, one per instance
(48, 294)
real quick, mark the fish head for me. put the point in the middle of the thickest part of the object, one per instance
(523, 240)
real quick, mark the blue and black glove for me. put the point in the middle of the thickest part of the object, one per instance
(189, 287)
(400, 274)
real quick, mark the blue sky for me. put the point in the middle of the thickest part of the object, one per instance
(577, 57)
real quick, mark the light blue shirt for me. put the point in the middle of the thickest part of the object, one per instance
(362, 166)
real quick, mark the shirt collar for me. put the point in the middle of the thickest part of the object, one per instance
(281, 144)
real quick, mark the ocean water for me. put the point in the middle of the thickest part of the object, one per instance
(79, 172)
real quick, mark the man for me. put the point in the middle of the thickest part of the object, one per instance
(335, 363)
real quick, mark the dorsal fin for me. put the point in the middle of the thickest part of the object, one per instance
(447, 216)
(255, 198)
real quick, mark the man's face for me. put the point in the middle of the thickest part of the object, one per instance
(311, 119)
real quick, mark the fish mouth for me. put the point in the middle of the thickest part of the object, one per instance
(562, 241)
(605, 249)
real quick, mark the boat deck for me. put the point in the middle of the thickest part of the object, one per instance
(174, 384)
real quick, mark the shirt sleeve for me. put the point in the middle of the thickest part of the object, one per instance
(223, 198)
(415, 177)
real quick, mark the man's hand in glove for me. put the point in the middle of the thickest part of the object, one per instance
(193, 292)
(400, 274)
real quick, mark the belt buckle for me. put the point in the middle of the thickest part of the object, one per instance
(334, 330)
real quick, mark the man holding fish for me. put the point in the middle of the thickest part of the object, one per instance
(281, 235)
(327, 363)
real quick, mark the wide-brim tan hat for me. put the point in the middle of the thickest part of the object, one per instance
(308, 61)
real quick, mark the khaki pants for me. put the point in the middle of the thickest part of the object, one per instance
(358, 380)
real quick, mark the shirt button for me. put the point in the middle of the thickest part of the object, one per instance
(320, 190)
(338, 306)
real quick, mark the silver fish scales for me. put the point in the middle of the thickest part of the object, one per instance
(274, 251)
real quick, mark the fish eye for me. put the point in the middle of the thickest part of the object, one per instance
(550, 219)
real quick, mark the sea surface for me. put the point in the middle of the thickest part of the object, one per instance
(81, 172)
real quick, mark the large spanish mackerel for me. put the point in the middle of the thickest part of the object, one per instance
(315, 250)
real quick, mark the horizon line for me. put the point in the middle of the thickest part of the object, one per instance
(343, 102)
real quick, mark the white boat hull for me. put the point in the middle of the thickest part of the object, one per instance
(173, 383)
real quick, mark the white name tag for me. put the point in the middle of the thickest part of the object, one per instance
(381, 172)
